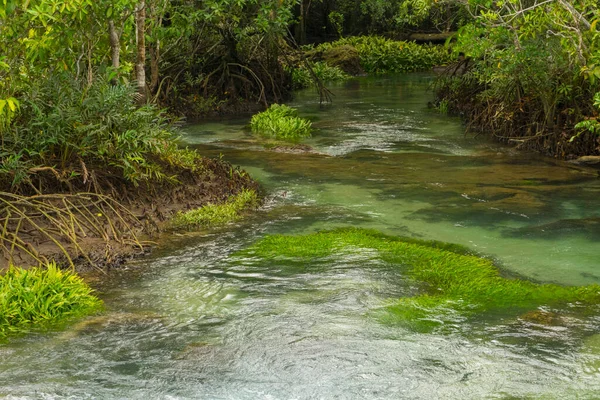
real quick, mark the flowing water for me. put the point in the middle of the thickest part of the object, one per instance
(192, 322)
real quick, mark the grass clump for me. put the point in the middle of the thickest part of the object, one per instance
(280, 122)
(216, 214)
(379, 55)
(452, 282)
(40, 296)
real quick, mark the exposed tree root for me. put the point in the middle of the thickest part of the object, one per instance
(64, 221)
(100, 229)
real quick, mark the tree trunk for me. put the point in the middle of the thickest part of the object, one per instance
(302, 23)
(90, 71)
(154, 60)
(140, 37)
(115, 49)
(115, 46)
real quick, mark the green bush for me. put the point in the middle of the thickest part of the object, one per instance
(280, 122)
(36, 296)
(302, 78)
(216, 214)
(379, 55)
(76, 129)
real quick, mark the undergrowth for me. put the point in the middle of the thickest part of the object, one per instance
(302, 77)
(451, 279)
(379, 55)
(39, 297)
(280, 122)
(216, 214)
(67, 133)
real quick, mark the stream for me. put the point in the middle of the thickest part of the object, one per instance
(191, 322)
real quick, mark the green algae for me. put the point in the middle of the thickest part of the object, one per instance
(215, 214)
(453, 283)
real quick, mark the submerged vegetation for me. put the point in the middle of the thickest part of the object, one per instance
(216, 214)
(450, 279)
(40, 297)
(280, 122)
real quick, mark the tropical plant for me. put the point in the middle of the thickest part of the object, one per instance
(39, 297)
(529, 73)
(78, 130)
(379, 55)
(303, 78)
(280, 122)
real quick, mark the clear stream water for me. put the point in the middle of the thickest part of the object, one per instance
(190, 322)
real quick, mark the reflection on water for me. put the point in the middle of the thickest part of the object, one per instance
(191, 323)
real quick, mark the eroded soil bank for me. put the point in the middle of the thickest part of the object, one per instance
(104, 228)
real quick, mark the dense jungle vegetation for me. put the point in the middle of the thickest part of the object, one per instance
(91, 93)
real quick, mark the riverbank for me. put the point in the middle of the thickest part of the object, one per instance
(101, 230)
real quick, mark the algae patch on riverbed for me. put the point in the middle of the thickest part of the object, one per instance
(450, 281)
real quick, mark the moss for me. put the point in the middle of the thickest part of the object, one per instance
(42, 296)
(280, 122)
(454, 283)
(344, 57)
(216, 214)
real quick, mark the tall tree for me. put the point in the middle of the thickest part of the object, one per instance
(140, 38)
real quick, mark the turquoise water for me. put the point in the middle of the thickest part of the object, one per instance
(191, 322)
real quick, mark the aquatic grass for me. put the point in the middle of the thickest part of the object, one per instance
(42, 296)
(280, 122)
(216, 214)
(453, 283)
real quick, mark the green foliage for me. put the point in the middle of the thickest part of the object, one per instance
(280, 122)
(531, 72)
(302, 78)
(64, 124)
(379, 55)
(383, 17)
(229, 50)
(591, 125)
(39, 297)
(337, 20)
(452, 281)
(216, 214)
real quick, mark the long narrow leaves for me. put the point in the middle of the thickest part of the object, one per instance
(42, 296)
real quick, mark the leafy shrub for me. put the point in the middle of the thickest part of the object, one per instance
(76, 129)
(280, 122)
(591, 124)
(302, 78)
(379, 55)
(40, 296)
(216, 214)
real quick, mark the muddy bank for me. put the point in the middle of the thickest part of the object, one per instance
(101, 230)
